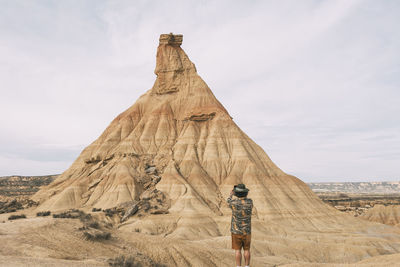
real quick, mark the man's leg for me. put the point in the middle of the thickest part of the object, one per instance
(238, 257)
(247, 257)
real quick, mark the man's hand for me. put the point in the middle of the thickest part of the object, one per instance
(232, 193)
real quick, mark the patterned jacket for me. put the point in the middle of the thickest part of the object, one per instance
(241, 215)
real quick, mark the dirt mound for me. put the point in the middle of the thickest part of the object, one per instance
(383, 214)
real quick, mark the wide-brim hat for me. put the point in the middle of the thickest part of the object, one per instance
(241, 188)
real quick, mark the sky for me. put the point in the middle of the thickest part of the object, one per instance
(315, 83)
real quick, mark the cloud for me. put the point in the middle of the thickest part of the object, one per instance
(318, 79)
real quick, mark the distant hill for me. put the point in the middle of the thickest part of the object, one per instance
(357, 187)
(12, 186)
(22, 186)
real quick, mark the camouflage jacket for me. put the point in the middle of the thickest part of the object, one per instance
(241, 215)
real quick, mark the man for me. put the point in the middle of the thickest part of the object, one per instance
(241, 223)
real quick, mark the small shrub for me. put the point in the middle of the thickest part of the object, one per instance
(139, 261)
(74, 214)
(85, 217)
(121, 261)
(43, 213)
(110, 212)
(66, 215)
(97, 236)
(16, 217)
(94, 225)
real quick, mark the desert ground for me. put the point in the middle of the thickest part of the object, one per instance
(47, 241)
(152, 189)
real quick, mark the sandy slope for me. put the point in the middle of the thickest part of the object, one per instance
(42, 241)
(49, 241)
(378, 261)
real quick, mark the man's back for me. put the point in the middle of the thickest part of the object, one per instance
(241, 215)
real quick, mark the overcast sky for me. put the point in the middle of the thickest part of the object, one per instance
(315, 83)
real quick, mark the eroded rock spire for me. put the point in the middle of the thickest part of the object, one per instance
(172, 64)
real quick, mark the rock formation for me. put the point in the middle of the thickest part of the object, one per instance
(195, 152)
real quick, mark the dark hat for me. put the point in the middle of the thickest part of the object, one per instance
(241, 188)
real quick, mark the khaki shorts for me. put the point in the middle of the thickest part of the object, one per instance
(241, 241)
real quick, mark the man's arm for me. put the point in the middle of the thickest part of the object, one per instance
(229, 200)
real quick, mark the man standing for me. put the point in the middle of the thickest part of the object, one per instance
(241, 223)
